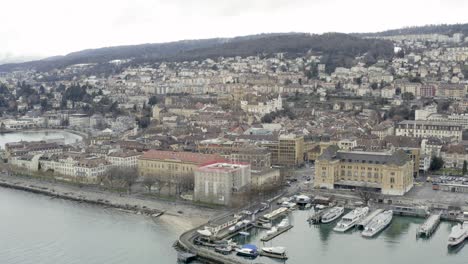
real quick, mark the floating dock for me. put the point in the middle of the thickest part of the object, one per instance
(361, 224)
(429, 226)
(277, 233)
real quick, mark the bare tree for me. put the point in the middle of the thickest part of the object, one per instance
(126, 176)
(149, 182)
(367, 195)
(113, 176)
(129, 177)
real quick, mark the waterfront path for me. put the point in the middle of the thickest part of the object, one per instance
(184, 215)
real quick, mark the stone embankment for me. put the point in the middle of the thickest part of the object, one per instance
(79, 198)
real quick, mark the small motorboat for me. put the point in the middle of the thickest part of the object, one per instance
(225, 250)
(248, 250)
(274, 252)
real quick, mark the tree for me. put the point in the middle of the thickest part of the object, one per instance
(153, 100)
(267, 118)
(149, 182)
(400, 53)
(436, 163)
(366, 196)
(465, 168)
(123, 175)
(129, 177)
(407, 96)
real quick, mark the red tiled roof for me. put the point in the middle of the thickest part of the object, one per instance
(189, 157)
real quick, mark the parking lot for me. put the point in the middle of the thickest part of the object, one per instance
(423, 192)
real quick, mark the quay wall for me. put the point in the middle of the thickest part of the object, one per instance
(69, 196)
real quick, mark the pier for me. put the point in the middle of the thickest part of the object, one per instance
(361, 224)
(429, 226)
(277, 233)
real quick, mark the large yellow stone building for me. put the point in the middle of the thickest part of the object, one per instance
(173, 167)
(389, 173)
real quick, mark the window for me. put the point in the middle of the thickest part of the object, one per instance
(392, 180)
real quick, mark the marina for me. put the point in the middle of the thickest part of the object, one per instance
(271, 237)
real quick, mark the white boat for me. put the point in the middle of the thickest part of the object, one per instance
(332, 214)
(458, 234)
(284, 223)
(272, 231)
(320, 207)
(302, 199)
(378, 223)
(225, 250)
(350, 219)
(274, 252)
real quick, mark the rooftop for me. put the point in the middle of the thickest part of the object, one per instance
(188, 157)
(223, 167)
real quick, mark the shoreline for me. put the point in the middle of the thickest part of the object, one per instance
(70, 197)
(75, 132)
(168, 213)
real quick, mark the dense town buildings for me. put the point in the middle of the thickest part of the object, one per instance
(275, 112)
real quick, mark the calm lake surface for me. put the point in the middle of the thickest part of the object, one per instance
(38, 135)
(397, 244)
(36, 229)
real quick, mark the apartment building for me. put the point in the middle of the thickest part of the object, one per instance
(426, 129)
(258, 157)
(390, 173)
(287, 151)
(124, 159)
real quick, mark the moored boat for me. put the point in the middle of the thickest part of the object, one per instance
(272, 231)
(458, 234)
(248, 250)
(225, 250)
(274, 252)
(284, 223)
(332, 214)
(379, 223)
(350, 219)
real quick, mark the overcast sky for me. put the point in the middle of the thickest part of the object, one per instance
(57, 27)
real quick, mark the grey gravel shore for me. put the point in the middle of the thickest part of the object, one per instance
(182, 216)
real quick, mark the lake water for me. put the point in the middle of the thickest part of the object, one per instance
(38, 135)
(397, 244)
(36, 229)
